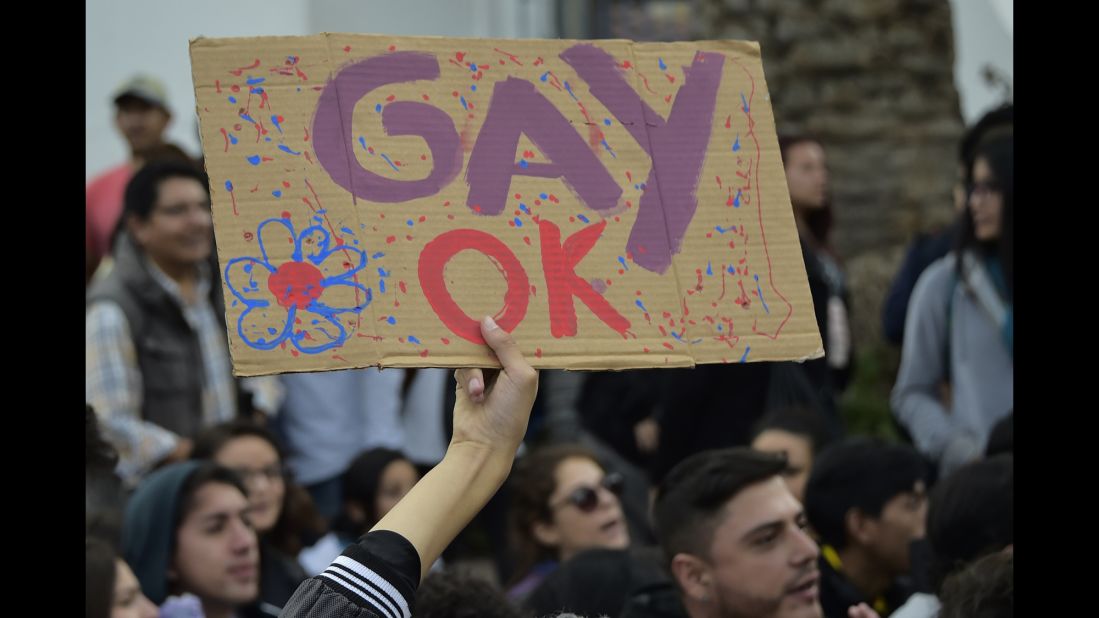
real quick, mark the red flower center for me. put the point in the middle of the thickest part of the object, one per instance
(296, 284)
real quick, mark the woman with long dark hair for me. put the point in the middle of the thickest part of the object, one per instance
(959, 329)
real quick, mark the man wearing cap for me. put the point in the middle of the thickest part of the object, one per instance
(142, 116)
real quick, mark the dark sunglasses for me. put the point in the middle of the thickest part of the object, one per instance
(587, 498)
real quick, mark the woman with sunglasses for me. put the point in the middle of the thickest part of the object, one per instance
(959, 328)
(281, 512)
(563, 503)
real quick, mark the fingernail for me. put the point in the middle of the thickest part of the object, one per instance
(473, 384)
(490, 324)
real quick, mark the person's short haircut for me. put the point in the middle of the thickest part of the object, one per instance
(692, 496)
(456, 594)
(971, 514)
(141, 192)
(799, 421)
(207, 472)
(858, 473)
(985, 589)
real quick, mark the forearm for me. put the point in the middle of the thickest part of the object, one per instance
(447, 498)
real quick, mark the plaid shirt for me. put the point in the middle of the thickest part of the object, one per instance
(113, 380)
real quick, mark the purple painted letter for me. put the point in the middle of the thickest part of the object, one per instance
(677, 146)
(516, 108)
(334, 143)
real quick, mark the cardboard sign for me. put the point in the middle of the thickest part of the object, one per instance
(612, 204)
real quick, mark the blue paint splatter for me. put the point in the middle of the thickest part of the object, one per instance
(248, 118)
(640, 305)
(252, 81)
(730, 270)
(523, 163)
(254, 159)
(518, 222)
(660, 63)
(267, 139)
(232, 99)
(608, 147)
(347, 230)
(390, 162)
(409, 223)
(569, 89)
(736, 200)
(391, 320)
(544, 76)
(473, 87)
(413, 339)
(677, 337)
(232, 139)
(544, 196)
(362, 142)
(745, 102)
(583, 218)
(464, 104)
(256, 90)
(235, 303)
(759, 291)
(275, 120)
(229, 186)
(247, 268)
(276, 193)
(381, 285)
(731, 228)
(382, 272)
(607, 121)
(378, 107)
(709, 269)
(272, 331)
(285, 148)
(473, 68)
(377, 255)
(524, 208)
(720, 328)
(736, 144)
(622, 261)
(744, 358)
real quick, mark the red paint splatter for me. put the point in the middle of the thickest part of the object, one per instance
(423, 354)
(237, 72)
(426, 98)
(248, 236)
(285, 214)
(423, 157)
(445, 341)
(392, 48)
(217, 85)
(404, 288)
(538, 352)
(668, 345)
(294, 352)
(390, 240)
(460, 56)
(526, 239)
(285, 184)
(728, 122)
(391, 97)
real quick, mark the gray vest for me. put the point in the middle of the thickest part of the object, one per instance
(169, 356)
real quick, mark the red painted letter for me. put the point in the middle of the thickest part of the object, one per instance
(559, 264)
(433, 260)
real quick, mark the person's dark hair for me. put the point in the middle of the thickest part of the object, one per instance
(143, 188)
(691, 497)
(997, 148)
(799, 421)
(298, 519)
(858, 473)
(818, 221)
(532, 482)
(206, 473)
(1002, 438)
(597, 582)
(99, 577)
(103, 494)
(457, 594)
(984, 589)
(971, 514)
(1003, 116)
(361, 482)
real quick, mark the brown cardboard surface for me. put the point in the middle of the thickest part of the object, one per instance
(375, 195)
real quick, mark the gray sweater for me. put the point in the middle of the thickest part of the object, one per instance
(980, 370)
